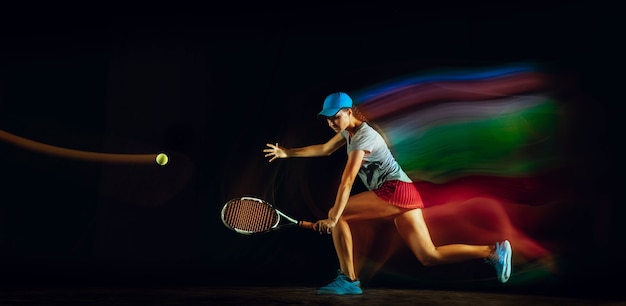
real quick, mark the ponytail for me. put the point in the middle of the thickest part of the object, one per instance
(359, 115)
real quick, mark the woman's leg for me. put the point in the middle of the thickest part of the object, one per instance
(413, 230)
(363, 206)
(342, 240)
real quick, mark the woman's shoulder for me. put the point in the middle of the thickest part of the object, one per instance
(368, 129)
(366, 133)
(365, 128)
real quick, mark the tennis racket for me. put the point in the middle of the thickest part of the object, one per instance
(249, 215)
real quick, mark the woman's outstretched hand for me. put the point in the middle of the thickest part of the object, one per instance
(274, 151)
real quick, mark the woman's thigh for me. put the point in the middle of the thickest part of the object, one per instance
(367, 205)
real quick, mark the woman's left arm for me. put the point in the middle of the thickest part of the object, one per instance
(350, 172)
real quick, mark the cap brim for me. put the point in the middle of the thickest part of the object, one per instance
(329, 112)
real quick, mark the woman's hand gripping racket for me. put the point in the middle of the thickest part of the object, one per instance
(249, 215)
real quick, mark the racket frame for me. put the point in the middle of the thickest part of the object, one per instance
(275, 226)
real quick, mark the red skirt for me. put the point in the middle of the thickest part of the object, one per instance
(401, 194)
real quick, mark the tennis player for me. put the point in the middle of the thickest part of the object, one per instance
(391, 193)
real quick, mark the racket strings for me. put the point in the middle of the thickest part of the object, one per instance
(250, 215)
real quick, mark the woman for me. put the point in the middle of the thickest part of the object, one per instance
(391, 193)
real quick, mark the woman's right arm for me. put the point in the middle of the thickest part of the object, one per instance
(274, 151)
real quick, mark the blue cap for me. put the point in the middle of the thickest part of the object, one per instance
(334, 102)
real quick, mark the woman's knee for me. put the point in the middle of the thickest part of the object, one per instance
(428, 258)
(413, 229)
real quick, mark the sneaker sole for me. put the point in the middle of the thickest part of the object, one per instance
(324, 292)
(507, 262)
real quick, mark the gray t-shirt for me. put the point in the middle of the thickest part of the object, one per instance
(379, 165)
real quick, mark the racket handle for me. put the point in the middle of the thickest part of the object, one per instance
(306, 224)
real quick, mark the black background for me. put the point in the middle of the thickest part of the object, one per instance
(210, 86)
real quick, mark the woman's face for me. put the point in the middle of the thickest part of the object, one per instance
(340, 120)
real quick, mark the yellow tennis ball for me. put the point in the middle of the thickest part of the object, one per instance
(161, 159)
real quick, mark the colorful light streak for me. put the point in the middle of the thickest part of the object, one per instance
(484, 148)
